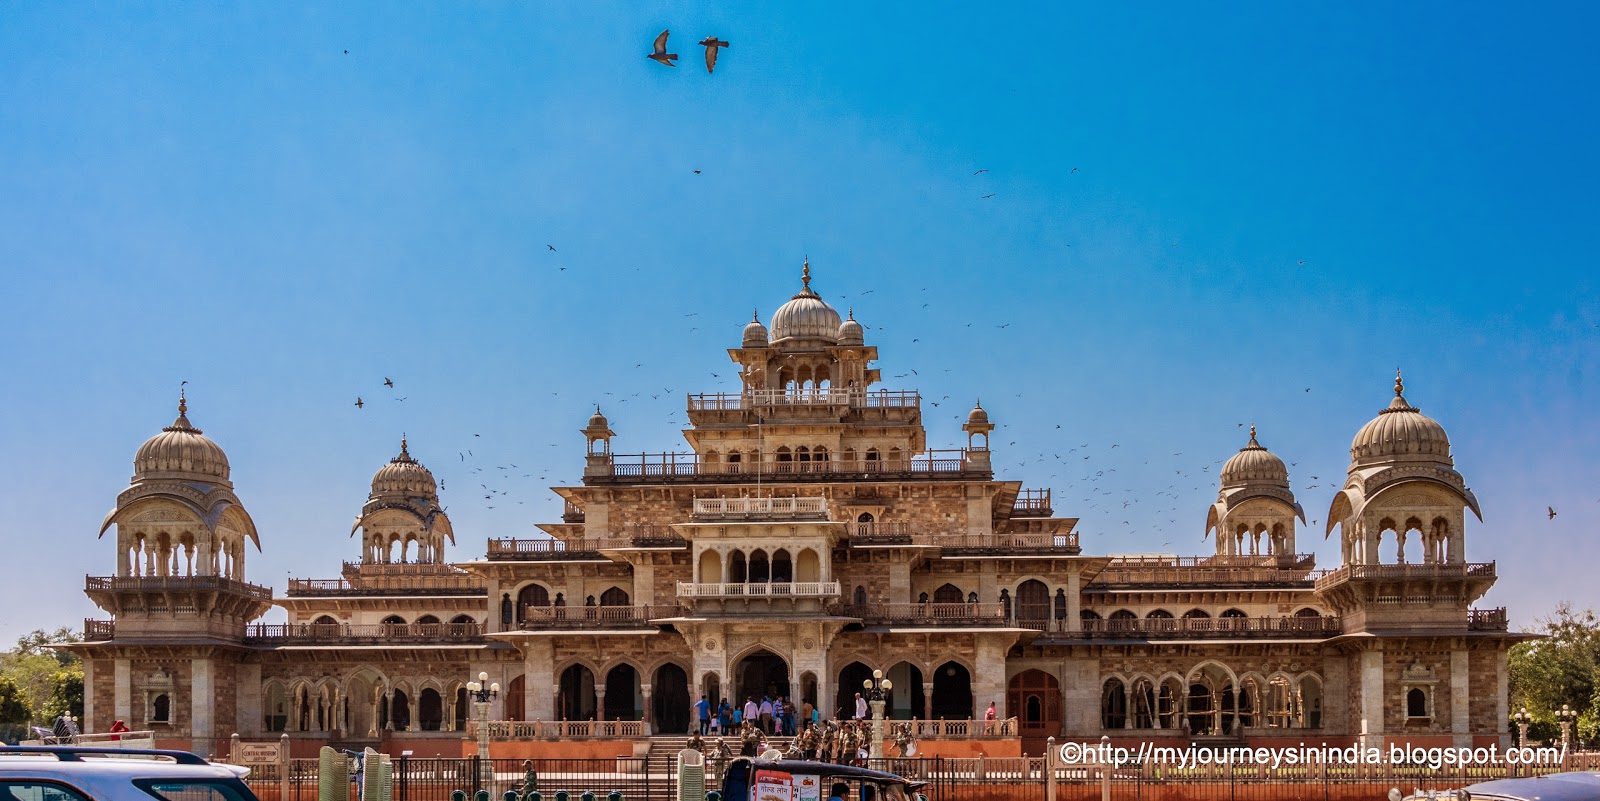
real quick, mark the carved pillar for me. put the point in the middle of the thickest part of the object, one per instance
(647, 716)
(927, 700)
(599, 700)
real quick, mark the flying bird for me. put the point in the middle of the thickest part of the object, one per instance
(552, 248)
(986, 197)
(388, 383)
(661, 56)
(710, 43)
(359, 404)
(1552, 511)
(980, 172)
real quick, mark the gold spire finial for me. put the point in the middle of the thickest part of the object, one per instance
(805, 273)
(1253, 435)
(1399, 386)
(183, 403)
(403, 444)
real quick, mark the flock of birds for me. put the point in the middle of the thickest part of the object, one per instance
(1095, 480)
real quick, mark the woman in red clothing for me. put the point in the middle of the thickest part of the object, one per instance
(116, 730)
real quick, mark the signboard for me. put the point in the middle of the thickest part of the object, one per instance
(807, 787)
(257, 753)
(773, 785)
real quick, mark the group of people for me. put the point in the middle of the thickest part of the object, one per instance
(841, 743)
(771, 716)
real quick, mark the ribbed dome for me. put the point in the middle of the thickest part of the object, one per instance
(850, 332)
(598, 420)
(755, 334)
(181, 451)
(404, 475)
(1400, 432)
(978, 417)
(806, 315)
(1254, 464)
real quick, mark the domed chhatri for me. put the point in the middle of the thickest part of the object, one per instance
(404, 475)
(1254, 464)
(1400, 433)
(850, 332)
(181, 451)
(755, 334)
(806, 315)
(978, 415)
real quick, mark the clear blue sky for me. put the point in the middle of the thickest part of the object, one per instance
(219, 194)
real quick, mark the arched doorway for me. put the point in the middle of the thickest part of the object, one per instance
(1033, 697)
(430, 710)
(575, 697)
(761, 673)
(952, 692)
(515, 693)
(1033, 603)
(624, 696)
(850, 679)
(670, 702)
(906, 701)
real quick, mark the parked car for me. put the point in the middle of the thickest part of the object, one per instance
(1573, 786)
(82, 773)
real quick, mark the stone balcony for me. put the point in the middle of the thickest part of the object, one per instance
(344, 634)
(763, 509)
(1308, 627)
(565, 618)
(786, 589)
(689, 468)
(917, 615)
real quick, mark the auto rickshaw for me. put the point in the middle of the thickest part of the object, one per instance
(757, 779)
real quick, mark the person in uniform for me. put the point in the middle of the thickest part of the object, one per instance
(750, 740)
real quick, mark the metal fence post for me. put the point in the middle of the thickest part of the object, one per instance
(477, 773)
(283, 767)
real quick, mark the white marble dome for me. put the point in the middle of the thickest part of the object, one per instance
(181, 451)
(404, 475)
(1400, 433)
(1254, 464)
(805, 316)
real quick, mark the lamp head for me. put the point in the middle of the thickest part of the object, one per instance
(887, 685)
(495, 688)
(473, 686)
(877, 674)
(483, 676)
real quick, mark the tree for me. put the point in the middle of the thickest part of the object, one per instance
(1561, 668)
(66, 693)
(13, 705)
(32, 666)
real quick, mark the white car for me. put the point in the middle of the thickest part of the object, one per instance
(81, 773)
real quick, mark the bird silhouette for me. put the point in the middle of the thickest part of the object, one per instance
(1552, 511)
(710, 43)
(551, 247)
(359, 404)
(661, 56)
(980, 172)
(986, 197)
(388, 383)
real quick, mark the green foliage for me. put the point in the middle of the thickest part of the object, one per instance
(66, 693)
(13, 705)
(1562, 668)
(32, 666)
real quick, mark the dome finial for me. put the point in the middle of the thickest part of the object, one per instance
(183, 403)
(1399, 385)
(852, 314)
(805, 273)
(1253, 435)
(403, 444)
(755, 315)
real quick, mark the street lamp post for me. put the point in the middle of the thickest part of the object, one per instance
(1523, 719)
(876, 688)
(1566, 715)
(480, 695)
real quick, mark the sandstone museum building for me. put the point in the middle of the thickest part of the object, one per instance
(806, 538)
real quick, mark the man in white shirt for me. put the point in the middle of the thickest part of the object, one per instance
(766, 714)
(861, 707)
(751, 711)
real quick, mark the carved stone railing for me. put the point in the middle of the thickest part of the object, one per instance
(1032, 503)
(768, 398)
(1200, 628)
(995, 543)
(646, 467)
(1488, 619)
(795, 589)
(1422, 570)
(542, 549)
(894, 532)
(421, 585)
(175, 584)
(98, 630)
(929, 614)
(559, 729)
(746, 508)
(957, 729)
(578, 617)
(1293, 571)
(362, 633)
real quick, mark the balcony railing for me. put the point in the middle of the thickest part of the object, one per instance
(1032, 503)
(771, 398)
(956, 729)
(787, 589)
(560, 729)
(894, 532)
(1488, 619)
(929, 614)
(569, 617)
(399, 569)
(1293, 571)
(742, 508)
(1424, 570)
(175, 584)
(446, 584)
(98, 630)
(572, 513)
(967, 544)
(1199, 628)
(361, 634)
(544, 549)
(689, 466)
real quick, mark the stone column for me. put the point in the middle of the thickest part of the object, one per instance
(247, 700)
(1372, 700)
(927, 699)
(989, 675)
(1335, 694)
(89, 723)
(1460, 697)
(1502, 694)
(1080, 695)
(121, 688)
(538, 670)
(646, 715)
(599, 699)
(202, 704)
(1074, 621)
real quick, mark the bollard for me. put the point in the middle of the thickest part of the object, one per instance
(458, 795)
(713, 795)
(561, 795)
(534, 796)
(588, 795)
(614, 796)
(510, 795)
(481, 795)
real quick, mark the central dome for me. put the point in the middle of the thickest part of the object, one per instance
(181, 451)
(404, 475)
(1254, 464)
(1400, 433)
(806, 315)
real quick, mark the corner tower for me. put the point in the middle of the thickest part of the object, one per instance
(1255, 512)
